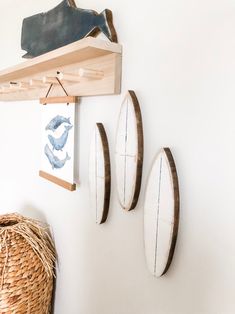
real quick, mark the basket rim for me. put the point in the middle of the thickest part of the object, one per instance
(10, 221)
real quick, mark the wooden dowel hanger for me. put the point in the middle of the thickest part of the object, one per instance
(59, 100)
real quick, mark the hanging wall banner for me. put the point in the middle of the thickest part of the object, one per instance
(57, 150)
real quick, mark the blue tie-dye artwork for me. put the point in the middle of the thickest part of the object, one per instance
(56, 122)
(55, 162)
(59, 143)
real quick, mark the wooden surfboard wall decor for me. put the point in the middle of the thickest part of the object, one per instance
(129, 152)
(99, 174)
(161, 213)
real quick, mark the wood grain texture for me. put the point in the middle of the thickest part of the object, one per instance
(99, 174)
(161, 213)
(59, 100)
(58, 181)
(88, 53)
(129, 152)
(72, 3)
(81, 50)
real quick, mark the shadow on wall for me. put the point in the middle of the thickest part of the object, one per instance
(32, 212)
(35, 213)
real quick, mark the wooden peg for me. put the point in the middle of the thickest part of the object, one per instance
(91, 74)
(14, 86)
(2, 89)
(36, 83)
(19, 85)
(25, 85)
(68, 77)
(6, 89)
(49, 80)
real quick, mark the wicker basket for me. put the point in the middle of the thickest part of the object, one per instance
(27, 259)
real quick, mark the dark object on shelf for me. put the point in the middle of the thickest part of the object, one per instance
(63, 25)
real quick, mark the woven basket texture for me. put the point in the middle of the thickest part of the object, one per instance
(27, 259)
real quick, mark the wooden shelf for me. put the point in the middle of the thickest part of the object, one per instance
(88, 67)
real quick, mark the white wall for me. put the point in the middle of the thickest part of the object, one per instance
(179, 57)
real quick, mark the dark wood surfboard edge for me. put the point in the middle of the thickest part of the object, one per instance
(140, 149)
(107, 170)
(176, 206)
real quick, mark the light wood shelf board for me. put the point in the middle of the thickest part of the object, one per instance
(88, 53)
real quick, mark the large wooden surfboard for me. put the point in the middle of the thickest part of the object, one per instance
(129, 152)
(161, 213)
(99, 174)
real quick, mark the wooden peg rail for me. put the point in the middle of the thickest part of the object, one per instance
(67, 78)
(87, 67)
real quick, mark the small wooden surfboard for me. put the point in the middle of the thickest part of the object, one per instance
(99, 174)
(129, 152)
(161, 213)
